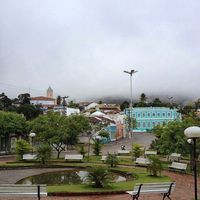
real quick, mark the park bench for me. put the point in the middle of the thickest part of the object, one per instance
(76, 157)
(178, 166)
(148, 188)
(103, 158)
(29, 157)
(123, 152)
(142, 161)
(175, 157)
(18, 190)
(148, 153)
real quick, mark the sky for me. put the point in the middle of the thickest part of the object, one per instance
(81, 47)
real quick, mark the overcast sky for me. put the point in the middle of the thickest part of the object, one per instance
(81, 47)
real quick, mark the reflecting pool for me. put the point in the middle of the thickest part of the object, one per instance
(64, 177)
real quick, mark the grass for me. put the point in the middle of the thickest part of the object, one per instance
(142, 177)
(126, 161)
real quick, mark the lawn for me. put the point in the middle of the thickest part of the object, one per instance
(142, 177)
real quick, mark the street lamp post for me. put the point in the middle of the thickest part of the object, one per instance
(193, 133)
(32, 135)
(131, 96)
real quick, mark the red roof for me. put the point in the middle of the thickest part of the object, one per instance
(41, 98)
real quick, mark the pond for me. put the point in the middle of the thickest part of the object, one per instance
(64, 177)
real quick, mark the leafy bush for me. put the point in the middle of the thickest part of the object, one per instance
(112, 160)
(155, 167)
(97, 147)
(22, 147)
(44, 153)
(81, 149)
(98, 176)
(137, 151)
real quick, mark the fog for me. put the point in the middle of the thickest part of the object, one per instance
(81, 48)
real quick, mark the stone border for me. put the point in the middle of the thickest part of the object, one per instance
(62, 194)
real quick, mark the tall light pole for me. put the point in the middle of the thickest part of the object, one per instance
(193, 133)
(32, 135)
(131, 95)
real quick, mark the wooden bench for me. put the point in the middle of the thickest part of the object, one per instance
(148, 153)
(178, 166)
(75, 157)
(29, 157)
(123, 152)
(21, 190)
(148, 188)
(142, 161)
(175, 157)
(104, 158)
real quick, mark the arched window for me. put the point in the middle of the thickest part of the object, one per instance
(153, 114)
(148, 115)
(149, 124)
(144, 124)
(138, 124)
(143, 115)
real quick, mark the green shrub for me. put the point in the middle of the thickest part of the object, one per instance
(22, 147)
(98, 177)
(155, 167)
(44, 153)
(81, 149)
(97, 147)
(137, 151)
(112, 160)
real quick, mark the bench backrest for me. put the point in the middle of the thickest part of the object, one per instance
(154, 187)
(74, 157)
(150, 152)
(103, 158)
(123, 152)
(19, 190)
(178, 165)
(142, 161)
(29, 157)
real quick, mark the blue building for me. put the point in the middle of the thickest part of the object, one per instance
(148, 117)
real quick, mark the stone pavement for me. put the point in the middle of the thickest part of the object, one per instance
(183, 191)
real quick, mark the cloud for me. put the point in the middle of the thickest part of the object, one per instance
(81, 48)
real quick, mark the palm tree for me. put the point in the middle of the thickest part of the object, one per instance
(98, 176)
(155, 167)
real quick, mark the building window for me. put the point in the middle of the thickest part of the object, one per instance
(148, 115)
(138, 114)
(169, 114)
(163, 114)
(153, 123)
(154, 114)
(158, 114)
(143, 114)
(144, 125)
(149, 124)
(138, 124)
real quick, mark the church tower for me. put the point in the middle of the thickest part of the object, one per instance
(50, 92)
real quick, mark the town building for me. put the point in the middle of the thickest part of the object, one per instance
(148, 117)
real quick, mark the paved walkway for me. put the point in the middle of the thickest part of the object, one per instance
(183, 191)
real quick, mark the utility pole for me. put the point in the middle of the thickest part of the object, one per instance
(131, 98)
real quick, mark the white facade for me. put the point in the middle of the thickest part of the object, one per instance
(42, 102)
(92, 105)
(67, 111)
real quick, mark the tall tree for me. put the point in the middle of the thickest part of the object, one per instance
(124, 105)
(29, 111)
(24, 98)
(59, 131)
(71, 104)
(59, 100)
(143, 98)
(12, 123)
(5, 102)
